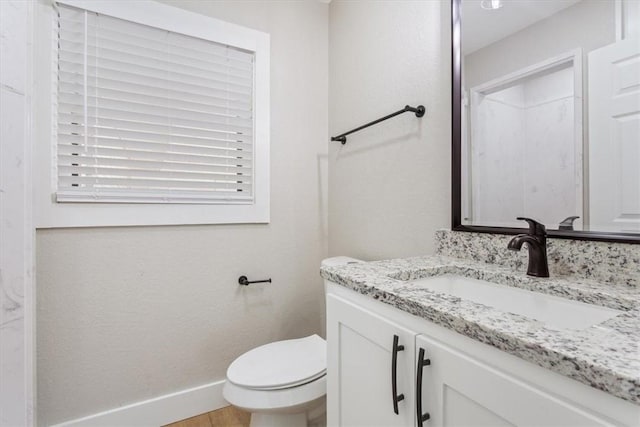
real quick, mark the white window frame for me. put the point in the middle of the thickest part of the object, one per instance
(51, 214)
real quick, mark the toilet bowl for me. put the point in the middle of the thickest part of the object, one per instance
(282, 383)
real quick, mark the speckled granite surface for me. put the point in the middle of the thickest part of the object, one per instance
(617, 263)
(605, 356)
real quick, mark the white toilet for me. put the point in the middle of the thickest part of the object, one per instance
(283, 383)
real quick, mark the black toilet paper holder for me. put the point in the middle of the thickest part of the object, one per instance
(242, 280)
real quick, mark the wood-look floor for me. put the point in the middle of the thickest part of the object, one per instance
(225, 417)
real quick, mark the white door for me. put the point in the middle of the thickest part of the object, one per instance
(614, 137)
(359, 368)
(458, 390)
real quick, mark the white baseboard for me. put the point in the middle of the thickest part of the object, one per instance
(158, 411)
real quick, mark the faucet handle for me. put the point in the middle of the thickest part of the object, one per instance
(567, 223)
(535, 228)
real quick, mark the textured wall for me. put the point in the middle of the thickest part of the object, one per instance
(389, 186)
(126, 314)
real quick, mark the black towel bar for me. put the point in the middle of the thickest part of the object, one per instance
(419, 112)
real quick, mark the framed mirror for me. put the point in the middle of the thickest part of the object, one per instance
(546, 117)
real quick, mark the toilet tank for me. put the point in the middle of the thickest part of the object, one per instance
(338, 260)
(335, 262)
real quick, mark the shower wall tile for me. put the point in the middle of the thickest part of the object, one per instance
(16, 232)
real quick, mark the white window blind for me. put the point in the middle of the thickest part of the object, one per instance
(146, 115)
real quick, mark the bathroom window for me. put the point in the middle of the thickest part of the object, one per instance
(156, 106)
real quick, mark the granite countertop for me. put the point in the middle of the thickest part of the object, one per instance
(605, 356)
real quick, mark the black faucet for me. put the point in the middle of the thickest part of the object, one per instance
(536, 241)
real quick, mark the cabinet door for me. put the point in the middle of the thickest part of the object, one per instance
(460, 391)
(359, 368)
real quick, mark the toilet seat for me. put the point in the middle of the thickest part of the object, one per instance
(288, 400)
(280, 365)
(281, 377)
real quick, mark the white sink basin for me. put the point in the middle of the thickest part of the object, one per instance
(556, 312)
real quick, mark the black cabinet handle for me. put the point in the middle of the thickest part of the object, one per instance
(394, 367)
(422, 362)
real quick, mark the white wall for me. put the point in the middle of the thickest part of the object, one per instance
(389, 186)
(126, 314)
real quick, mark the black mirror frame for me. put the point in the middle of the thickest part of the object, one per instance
(456, 156)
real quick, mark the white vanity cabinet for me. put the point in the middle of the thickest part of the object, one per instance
(459, 390)
(360, 360)
(465, 383)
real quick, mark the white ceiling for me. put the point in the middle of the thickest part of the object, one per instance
(482, 27)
